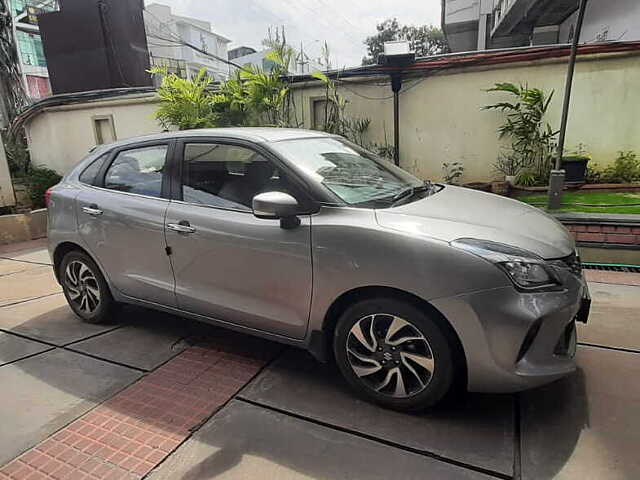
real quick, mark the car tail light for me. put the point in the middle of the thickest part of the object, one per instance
(47, 197)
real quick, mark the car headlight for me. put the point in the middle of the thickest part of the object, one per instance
(526, 270)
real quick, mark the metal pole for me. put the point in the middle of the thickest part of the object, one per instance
(396, 85)
(556, 179)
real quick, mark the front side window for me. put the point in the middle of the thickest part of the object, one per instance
(138, 171)
(227, 176)
(356, 176)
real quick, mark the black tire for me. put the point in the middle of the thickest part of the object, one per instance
(434, 385)
(106, 306)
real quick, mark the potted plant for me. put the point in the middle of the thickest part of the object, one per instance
(508, 165)
(575, 165)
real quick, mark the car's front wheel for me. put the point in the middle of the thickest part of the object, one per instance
(85, 288)
(394, 354)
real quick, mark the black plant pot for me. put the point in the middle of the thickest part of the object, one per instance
(575, 168)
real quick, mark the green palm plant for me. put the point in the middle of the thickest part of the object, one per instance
(532, 139)
(185, 104)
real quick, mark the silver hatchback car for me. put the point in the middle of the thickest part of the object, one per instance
(304, 238)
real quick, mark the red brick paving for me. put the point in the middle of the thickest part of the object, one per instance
(131, 433)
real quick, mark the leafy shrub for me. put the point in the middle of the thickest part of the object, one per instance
(507, 164)
(532, 138)
(526, 178)
(451, 172)
(626, 169)
(38, 180)
(594, 174)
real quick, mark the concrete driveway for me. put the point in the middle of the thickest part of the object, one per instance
(152, 395)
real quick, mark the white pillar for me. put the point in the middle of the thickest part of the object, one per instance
(7, 197)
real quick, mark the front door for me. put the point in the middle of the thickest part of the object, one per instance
(228, 264)
(121, 220)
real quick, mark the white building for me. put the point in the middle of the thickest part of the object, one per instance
(482, 24)
(166, 33)
(33, 64)
(299, 66)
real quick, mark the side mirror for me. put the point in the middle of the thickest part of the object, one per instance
(277, 205)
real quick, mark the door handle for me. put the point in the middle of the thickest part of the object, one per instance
(92, 210)
(181, 227)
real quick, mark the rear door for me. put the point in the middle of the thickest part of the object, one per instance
(228, 264)
(121, 220)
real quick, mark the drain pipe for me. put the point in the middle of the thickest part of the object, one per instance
(556, 179)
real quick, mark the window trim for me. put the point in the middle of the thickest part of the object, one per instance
(309, 204)
(104, 157)
(96, 132)
(166, 175)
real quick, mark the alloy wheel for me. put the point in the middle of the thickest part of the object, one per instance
(82, 286)
(390, 355)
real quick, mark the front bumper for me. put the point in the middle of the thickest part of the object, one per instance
(515, 341)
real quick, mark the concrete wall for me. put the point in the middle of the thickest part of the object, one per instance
(61, 136)
(7, 197)
(441, 118)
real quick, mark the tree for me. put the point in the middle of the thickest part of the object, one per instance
(424, 40)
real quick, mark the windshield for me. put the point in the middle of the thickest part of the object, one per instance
(356, 176)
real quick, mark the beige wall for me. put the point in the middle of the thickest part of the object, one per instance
(441, 118)
(61, 136)
(7, 197)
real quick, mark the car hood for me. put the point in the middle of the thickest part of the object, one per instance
(456, 212)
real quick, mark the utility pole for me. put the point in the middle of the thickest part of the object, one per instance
(556, 179)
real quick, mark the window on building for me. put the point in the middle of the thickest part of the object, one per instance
(227, 176)
(104, 129)
(138, 171)
(321, 109)
(30, 47)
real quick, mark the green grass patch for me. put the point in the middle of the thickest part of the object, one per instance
(575, 202)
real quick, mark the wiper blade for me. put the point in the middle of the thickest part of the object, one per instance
(411, 191)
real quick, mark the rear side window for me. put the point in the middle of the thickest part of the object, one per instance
(90, 173)
(138, 171)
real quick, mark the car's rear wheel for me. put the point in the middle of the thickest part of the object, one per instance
(394, 354)
(85, 288)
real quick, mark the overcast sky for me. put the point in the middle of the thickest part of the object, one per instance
(344, 24)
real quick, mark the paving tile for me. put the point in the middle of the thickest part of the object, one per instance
(620, 278)
(477, 431)
(614, 320)
(133, 431)
(244, 441)
(11, 248)
(9, 267)
(36, 282)
(50, 320)
(37, 255)
(14, 348)
(144, 345)
(43, 393)
(586, 426)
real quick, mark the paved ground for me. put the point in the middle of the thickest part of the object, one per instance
(156, 396)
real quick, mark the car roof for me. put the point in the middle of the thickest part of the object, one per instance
(253, 134)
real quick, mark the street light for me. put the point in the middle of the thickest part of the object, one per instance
(397, 54)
